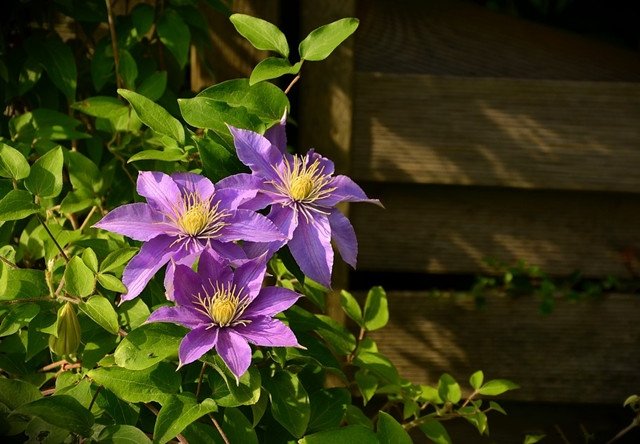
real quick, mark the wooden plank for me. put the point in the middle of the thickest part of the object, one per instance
(460, 38)
(497, 132)
(581, 352)
(442, 229)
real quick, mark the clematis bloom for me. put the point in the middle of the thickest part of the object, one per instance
(302, 192)
(227, 310)
(184, 214)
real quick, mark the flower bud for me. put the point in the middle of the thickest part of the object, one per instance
(68, 332)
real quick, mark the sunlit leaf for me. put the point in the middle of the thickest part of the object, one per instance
(261, 34)
(321, 42)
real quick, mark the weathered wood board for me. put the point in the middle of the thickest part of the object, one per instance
(545, 134)
(584, 351)
(444, 229)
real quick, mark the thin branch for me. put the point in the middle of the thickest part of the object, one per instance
(95, 395)
(204, 365)
(114, 43)
(64, 255)
(155, 412)
(8, 262)
(627, 429)
(215, 423)
(86, 219)
(293, 82)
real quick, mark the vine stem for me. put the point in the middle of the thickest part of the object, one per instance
(215, 423)
(8, 262)
(155, 412)
(114, 43)
(295, 79)
(627, 429)
(64, 255)
(204, 365)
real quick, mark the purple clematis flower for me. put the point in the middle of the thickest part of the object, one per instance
(227, 310)
(303, 193)
(184, 214)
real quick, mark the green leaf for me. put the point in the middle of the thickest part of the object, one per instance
(376, 310)
(12, 163)
(497, 407)
(367, 384)
(148, 344)
(154, 86)
(476, 379)
(328, 407)
(57, 59)
(17, 204)
(430, 394)
(128, 69)
(217, 161)
(154, 116)
(155, 383)
(121, 411)
(532, 439)
(45, 178)
(102, 312)
(78, 200)
(378, 364)
(479, 420)
(236, 103)
(351, 307)
(110, 282)
(336, 334)
(436, 432)
(29, 75)
(497, 387)
(142, 16)
(122, 434)
(226, 391)
(17, 318)
(90, 259)
(355, 416)
(61, 411)
(272, 68)
(321, 42)
(83, 172)
(348, 434)
(261, 34)
(177, 413)
(15, 392)
(105, 107)
(166, 155)
(79, 280)
(175, 35)
(237, 428)
(449, 389)
(289, 402)
(390, 431)
(117, 259)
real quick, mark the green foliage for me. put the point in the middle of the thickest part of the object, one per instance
(83, 117)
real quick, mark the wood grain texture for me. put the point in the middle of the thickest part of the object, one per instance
(549, 134)
(581, 352)
(441, 229)
(459, 38)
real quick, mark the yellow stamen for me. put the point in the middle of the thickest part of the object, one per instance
(194, 221)
(223, 310)
(300, 187)
(224, 306)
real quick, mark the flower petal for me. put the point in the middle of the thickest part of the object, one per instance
(250, 275)
(255, 151)
(311, 248)
(189, 183)
(346, 191)
(277, 134)
(151, 257)
(179, 315)
(186, 284)
(161, 191)
(250, 226)
(137, 220)
(248, 183)
(214, 268)
(268, 331)
(283, 217)
(344, 236)
(197, 342)
(271, 301)
(234, 351)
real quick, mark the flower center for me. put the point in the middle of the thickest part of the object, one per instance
(224, 305)
(301, 187)
(194, 216)
(223, 310)
(194, 221)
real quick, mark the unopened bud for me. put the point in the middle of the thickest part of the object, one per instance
(68, 332)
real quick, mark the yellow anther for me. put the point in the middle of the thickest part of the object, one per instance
(223, 310)
(194, 220)
(301, 186)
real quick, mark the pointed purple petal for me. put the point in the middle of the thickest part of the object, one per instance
(137, 220)
(169, 273)
(247, 183)
(197, 342)
(277, 134)
(228, 252)
(327, 166)
(283, 217)
(250, 226)
(234, 351)
(193, 183)
(186, 284)
(255, 151)
(271, 301)
(144, 265)
(346, 191)
(344, 236)
(184, 316)
(269, 332)
(250, 275)
(212, 267)
(161, 191)
(311, 248)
